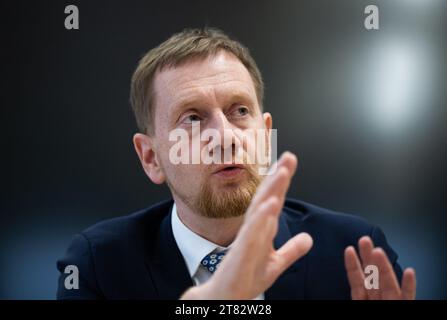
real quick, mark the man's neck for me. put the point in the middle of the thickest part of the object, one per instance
(219, 231)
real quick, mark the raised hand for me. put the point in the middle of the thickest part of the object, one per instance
(389, 288)
(252, 265)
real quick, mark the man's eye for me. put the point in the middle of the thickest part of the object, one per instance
(192, 118)
(242, 111)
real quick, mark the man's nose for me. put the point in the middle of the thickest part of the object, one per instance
(220, 123)
(226, 130)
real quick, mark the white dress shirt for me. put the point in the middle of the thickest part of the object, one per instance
(193, 249)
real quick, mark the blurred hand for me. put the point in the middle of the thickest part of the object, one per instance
(389, 288)
(252, 265)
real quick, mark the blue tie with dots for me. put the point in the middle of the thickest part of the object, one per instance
(212, 260)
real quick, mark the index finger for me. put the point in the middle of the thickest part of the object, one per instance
(277, 183)
(355, 274)
(389, 286)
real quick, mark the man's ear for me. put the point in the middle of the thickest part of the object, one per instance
(267, 117)
(268, 122)
(144, 146)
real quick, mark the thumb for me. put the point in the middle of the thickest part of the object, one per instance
(292, 250)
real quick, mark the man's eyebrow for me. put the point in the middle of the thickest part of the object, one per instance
(242, 96)
(186, 103)
(196, 101)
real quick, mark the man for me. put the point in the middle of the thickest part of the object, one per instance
(229, 232)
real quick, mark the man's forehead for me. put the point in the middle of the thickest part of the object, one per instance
(196, 75)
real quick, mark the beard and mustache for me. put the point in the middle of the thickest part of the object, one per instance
(227, 202)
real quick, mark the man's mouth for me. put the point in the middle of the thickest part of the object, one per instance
(229, 171)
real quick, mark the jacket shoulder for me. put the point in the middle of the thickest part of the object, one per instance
(332, 232)
(129, 227)
(312, 217)
(110, 255)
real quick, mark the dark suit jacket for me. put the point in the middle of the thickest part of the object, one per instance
(136, 256)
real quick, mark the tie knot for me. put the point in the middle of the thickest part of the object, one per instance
(212, 260)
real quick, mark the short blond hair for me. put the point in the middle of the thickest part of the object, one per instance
(189, 43)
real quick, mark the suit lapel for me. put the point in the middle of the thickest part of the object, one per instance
(290, 284)
(167, 266)
(171, 277)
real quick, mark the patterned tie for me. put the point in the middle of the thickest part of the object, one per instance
(212, 260)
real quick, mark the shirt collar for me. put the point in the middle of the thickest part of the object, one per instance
(192, 246)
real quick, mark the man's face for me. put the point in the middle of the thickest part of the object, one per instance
(218, 93)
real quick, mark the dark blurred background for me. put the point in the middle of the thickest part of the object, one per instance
(365, 111)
